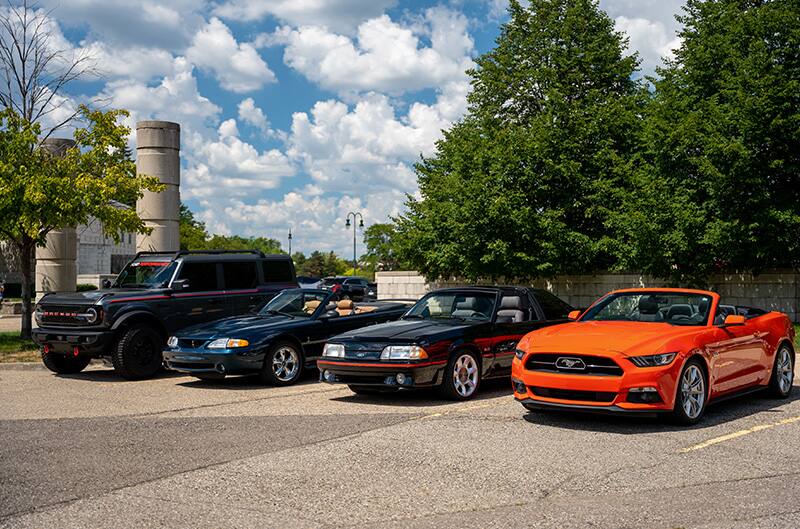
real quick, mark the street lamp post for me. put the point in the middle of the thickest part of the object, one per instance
(290, 242)
(356, 215)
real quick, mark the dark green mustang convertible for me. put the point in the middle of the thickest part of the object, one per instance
(279, 341)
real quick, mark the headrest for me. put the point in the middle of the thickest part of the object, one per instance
(467, 304)
(345, 304)
(702, 307)
(679, 310)
(313, 304)
(648, 305)
(511, 303)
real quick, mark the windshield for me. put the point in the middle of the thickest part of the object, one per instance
(294, 303)
(676, 308)
(330, 281)
(473, 306)
(146, 274)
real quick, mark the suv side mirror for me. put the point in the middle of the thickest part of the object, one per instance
(574, 315)
(106, 283)
(733, 320)
(180, 284)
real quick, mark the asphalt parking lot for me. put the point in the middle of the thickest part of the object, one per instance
(92, 450)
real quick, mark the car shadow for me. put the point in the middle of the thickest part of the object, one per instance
(109, 375)
(717, 413)
(426, 398)
(242, 382)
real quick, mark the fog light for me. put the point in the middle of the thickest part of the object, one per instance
(329, 377)
(220, 368)
(644, 395)
(519, 386)
(401, 378)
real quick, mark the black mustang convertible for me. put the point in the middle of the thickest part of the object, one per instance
(278, 341)
(451, 339)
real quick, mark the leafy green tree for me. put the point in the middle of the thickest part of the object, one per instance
(719, 185)
(524, 184)
(314, 266)
(193, 231)
(382, 253)
(299, 262)
(40, 192)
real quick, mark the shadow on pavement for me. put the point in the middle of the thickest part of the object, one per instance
(719, 413)
(109, 375)
(426, 397)
(242, 382)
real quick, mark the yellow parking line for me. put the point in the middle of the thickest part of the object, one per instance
(461, 409)
(740, 433)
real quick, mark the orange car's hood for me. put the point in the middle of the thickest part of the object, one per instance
(604, 337)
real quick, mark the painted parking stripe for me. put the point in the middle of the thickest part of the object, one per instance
(736, 435)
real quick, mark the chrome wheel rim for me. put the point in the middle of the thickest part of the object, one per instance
(465, 375)
(285, 364)
(785, 371)
(693, 391)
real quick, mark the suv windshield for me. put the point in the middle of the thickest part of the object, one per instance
(146, 274)
(474, 306)
(676, 308)
(294, 303)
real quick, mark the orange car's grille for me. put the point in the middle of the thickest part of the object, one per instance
(568, 394)
(576, 364)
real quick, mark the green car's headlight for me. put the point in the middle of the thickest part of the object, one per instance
(228, 343)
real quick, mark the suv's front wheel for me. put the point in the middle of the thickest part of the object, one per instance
(138, 353)
(64, 364)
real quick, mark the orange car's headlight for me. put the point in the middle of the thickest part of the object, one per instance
(653, 360)
(519, 354)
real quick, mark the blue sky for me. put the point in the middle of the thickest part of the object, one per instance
(294, 112)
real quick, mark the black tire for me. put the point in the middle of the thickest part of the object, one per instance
(688, 379)
(465, 385)
(364, 390)
(782, 378)
(65, 364)
(283, 364)
(138, 353)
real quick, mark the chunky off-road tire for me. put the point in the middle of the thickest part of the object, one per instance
(691, 395)
(137, 354)
(283, 364)
(363, 390)
(65, 364)
(462, 376)
(780, 383)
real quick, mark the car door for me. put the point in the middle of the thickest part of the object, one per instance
(515, 317)
(737, 355)
(202, 299)
(241, 280)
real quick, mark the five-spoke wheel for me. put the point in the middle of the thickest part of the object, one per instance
(283, 364)
(462, 376)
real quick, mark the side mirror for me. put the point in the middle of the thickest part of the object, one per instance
(106, 283)
(732, 320)
(180, 284)
(574, 315)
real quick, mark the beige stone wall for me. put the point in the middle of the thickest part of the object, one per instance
(771, 290)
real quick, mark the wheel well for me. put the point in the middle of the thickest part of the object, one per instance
(789, 344)
(143, 319)
(292, 340)
(468, 347)
(704, 366)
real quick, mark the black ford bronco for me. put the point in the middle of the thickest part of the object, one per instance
(155, 295)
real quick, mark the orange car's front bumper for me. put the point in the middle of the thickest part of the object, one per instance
(537, 389)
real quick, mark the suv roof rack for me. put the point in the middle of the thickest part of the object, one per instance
(201, 252)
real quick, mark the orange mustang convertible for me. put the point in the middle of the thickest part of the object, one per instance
(652, 351)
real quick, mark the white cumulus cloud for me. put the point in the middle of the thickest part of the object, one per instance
(237, 66)
(386, 56)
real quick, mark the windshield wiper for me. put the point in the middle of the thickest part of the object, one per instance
(413, 317)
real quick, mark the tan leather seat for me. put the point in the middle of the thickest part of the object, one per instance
(363, 309)
(311, 306)
(345, 307)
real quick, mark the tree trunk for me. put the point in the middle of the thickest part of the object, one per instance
(27, 248)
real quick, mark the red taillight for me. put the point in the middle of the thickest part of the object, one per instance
(76, 351)
(336, 288)
(46, 349)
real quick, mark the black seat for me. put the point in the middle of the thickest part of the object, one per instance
(680, 311)
(511, 310)
(648, 310)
